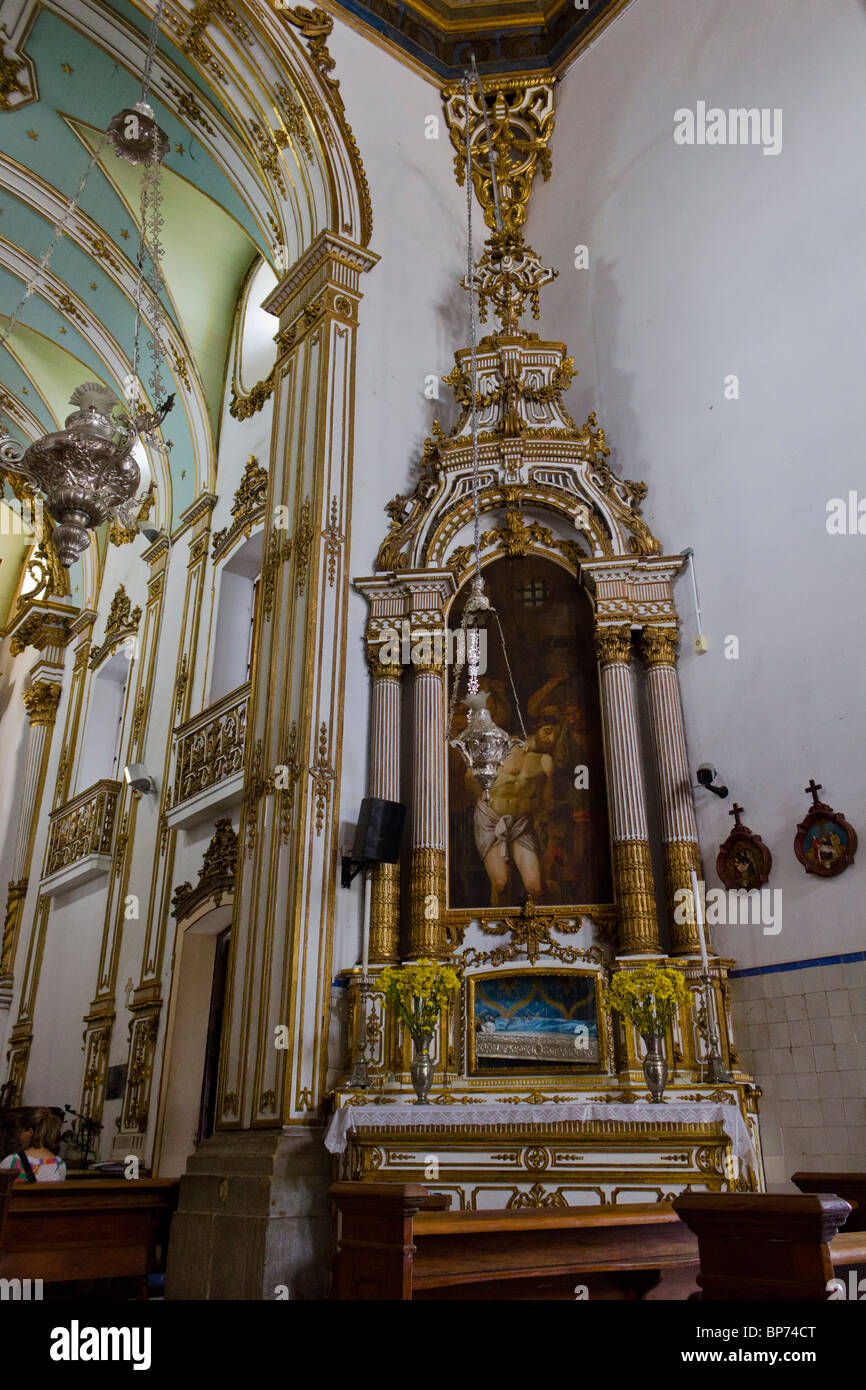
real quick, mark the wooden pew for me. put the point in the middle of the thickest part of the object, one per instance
(69, 1231)
(850, 1186)
(757, 1246)
(398, 1243)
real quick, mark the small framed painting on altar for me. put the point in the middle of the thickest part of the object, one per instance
(522, 1022)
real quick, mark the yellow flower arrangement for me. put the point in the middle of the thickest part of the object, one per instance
(649, 996)
(418, 992)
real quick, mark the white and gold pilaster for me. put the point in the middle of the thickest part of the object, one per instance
(282, 934)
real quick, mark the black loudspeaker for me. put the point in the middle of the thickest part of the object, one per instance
(377, 836)
(380, 827)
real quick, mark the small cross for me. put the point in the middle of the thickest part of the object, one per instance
(813, 787)
(736, 812)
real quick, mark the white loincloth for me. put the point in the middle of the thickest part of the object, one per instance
(506, 831)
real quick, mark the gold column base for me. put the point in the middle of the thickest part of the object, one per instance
(385, 915)
(635, 896)
(680, 857)
(427, 904)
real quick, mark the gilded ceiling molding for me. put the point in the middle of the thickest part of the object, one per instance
(437, 35)
(248, 507)
(18, 85)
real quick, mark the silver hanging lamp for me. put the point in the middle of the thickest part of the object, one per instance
(483, 745)
(86, 471)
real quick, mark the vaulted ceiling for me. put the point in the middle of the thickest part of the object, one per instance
(247, 178)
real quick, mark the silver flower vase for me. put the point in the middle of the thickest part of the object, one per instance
(421, 1068)
(655, 1067)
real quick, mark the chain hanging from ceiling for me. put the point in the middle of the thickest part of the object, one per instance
(483, 745)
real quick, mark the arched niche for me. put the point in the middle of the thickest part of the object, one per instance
(544, 832)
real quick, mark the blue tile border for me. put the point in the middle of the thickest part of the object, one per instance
(797, 965)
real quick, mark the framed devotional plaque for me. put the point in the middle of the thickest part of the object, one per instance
(522, 1022)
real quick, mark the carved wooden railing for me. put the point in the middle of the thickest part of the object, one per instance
(82, 826)
(210, 748)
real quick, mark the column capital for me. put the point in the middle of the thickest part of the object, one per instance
(330, 268)
(658, 645)
(41, 701)
(613, 644)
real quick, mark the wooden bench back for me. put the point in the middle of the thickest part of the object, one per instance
(759, 1246)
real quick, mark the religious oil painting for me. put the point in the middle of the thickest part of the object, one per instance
(543, 834)
(524, 1017)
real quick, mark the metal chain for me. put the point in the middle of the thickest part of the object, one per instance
(151, 50)
(59, 231)
(473, 350)
(510, 676)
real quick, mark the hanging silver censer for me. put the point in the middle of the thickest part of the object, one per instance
(135, 136)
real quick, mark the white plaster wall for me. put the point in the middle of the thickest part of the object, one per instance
(706, 261)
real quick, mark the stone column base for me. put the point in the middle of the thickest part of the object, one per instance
(253, 1219)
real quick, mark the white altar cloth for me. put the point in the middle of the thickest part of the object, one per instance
(407, 1115)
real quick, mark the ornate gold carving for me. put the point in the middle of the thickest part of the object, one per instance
(16, 894)
(210, 748)
(48, 577)
(41, 701)
(244, 407)
(323, 775)
(122, 621)
(334, 539)
(613, 644)
(537, 1196)
(385, 914)
(680, 857)
(269, 146)
(287, 793)
(509, 275)
(230, 1103)
(278, 551)
(635, 897)
(315, 26)
(120, 846)
(521, 118)
(37, 630)
(515, 537)
(190, 31)
(181, 683)
(658, 646)
(188, 106)
(294, 119)
(10, 82)
(97, 1041)
(268, 1101)
(82, 827)
(530, 937)
(247, 508)
(427, 899)
(303, 541)
(142, 1047)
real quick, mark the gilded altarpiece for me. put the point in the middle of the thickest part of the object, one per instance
(554, 874)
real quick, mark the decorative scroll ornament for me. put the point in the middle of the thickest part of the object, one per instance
(530, 937)
(514, 129)
(216, 875)
(509, 275)
(248, 505)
